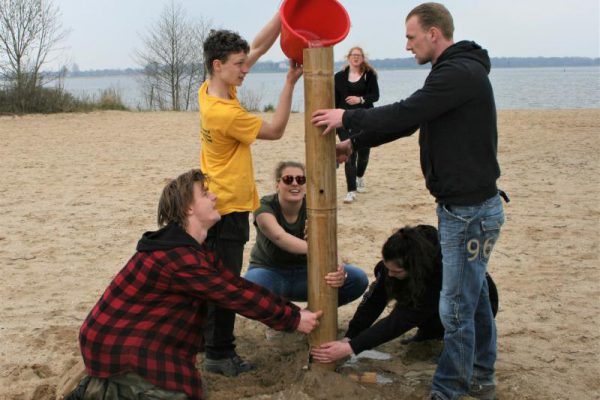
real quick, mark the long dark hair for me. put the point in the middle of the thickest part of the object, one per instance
(416, 250)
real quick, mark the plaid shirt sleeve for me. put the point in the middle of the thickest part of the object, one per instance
(149, 319)
(198, 274)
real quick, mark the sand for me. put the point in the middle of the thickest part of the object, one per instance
(78, 190)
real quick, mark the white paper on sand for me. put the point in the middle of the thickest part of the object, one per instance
(368, 354)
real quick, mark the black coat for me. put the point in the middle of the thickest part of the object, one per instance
(370, 95)
(365, 333)
(456, 114)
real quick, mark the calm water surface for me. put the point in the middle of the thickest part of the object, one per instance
(514, 88)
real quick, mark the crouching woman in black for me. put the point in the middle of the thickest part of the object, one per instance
(411, 274)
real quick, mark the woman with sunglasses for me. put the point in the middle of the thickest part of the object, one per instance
(355, 87)
(278, 259)
(410, 273)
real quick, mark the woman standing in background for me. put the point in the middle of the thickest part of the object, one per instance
(355, 87)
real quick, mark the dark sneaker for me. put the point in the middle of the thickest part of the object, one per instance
(242, 365)
(232, 366)
(483, 392)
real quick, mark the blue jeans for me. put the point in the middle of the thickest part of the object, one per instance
(292, 283)
(467, 237)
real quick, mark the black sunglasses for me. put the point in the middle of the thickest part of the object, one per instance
(289, 179)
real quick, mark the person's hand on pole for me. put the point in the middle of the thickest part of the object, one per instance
(329, 118)
(336, 279)
(331, 351)
(308, 320)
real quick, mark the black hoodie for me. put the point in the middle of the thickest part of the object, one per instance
(167, 238)
(456, 114)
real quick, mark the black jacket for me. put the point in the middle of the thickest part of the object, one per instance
(364, 333)
(370, 95)
(456, 114)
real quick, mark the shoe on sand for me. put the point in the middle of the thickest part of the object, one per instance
(361, 186)
(231, 366)
(350, 197)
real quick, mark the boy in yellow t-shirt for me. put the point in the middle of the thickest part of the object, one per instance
(227, 131)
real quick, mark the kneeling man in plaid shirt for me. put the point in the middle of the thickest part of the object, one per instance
(141, 339)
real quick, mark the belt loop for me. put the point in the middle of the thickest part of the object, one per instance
(504, 195)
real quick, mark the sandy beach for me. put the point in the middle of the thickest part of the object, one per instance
(78, 190)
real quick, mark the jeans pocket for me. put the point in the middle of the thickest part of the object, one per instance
(492, 223)
(490, 226)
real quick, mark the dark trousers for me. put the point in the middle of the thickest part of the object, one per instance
(128, 386)
(227, 238)
(356, 165)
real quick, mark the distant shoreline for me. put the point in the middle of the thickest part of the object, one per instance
(379, 64)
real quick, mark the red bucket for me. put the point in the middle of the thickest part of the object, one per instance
(311, 23)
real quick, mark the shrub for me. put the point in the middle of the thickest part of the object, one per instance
(55, 100)
(110, 99)
(250, 99)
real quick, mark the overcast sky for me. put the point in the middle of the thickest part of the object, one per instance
(104, 33)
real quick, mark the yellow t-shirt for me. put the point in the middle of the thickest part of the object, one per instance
(226, 132)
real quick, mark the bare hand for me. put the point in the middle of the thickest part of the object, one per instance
(331, 351)
(343, 150)
(308, 320)
(330, 118)
(336, 279)
(294, 72)
(352, 100)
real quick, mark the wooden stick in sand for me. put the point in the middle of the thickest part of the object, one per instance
(320, 195)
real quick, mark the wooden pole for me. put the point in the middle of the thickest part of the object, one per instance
(320, 195)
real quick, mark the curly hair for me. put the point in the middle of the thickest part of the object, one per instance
(220, 44)
(416, 250)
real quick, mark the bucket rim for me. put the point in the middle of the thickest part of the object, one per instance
(325, 42)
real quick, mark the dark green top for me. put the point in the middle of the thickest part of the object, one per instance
(266, 253)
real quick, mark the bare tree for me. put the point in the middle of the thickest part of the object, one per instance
(172, 59)
(29, 32)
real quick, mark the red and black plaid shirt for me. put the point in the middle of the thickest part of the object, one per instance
(149, 319)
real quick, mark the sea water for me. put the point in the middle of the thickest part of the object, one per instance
(514, 88)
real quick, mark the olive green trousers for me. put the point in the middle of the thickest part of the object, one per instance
(128, 386)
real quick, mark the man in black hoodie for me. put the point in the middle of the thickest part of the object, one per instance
(456, 115)
(141, 338)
